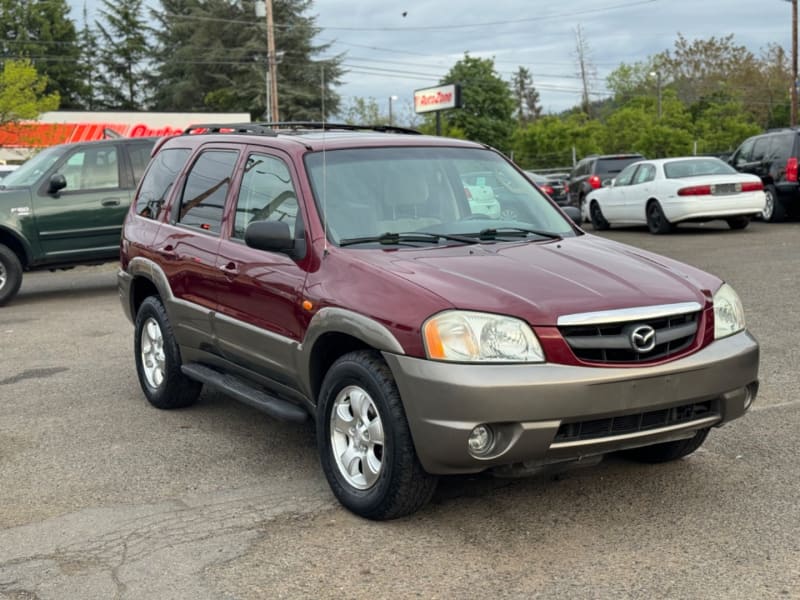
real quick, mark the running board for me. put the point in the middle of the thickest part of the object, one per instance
(243, 392)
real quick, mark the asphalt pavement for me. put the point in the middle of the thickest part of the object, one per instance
(103, 496)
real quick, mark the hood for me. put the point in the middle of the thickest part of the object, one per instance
(541, 281)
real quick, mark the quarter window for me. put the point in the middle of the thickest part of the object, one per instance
(266, 194)
(203, 199)
(158, 181)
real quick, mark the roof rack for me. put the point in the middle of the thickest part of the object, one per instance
(254, 128)
(274, 128)
(305, 125)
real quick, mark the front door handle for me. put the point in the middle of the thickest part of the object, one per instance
(109, 202)
(230, 269)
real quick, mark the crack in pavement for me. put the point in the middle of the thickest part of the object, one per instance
(123, 552)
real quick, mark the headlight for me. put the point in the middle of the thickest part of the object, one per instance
(728, 312)
(464, 336)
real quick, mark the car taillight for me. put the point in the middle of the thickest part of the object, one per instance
(595, 182)
(547, 190)
(791, 169)
(566, 188)
(695, 190)
(752, 186)
(468, 193)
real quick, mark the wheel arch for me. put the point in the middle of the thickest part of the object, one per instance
(17, 245)
(332, 333)
(146, 279)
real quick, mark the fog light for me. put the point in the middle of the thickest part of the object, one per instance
(481, 439)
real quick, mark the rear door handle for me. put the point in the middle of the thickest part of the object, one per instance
(168, 250)
(109, 202)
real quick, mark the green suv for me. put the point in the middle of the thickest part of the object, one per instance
(65, 207)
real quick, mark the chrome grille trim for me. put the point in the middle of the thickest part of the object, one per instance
(639, 313)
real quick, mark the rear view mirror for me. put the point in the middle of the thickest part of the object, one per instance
(573, 212)
(57, 183)
(273, 236)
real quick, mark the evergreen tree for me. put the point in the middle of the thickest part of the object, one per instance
(526, 97)
(42, 32)
(212, 55)
(88, 63)
(122, 55)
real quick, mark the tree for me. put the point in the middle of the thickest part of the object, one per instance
(585, 68)
(23, 92)
(487, 114)
(360, 111)
(206, 58)
(526, 97)
(548, 142)
(88, 60)
(42, 32)
(122, 54)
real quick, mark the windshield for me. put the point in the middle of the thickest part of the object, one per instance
(30, 171)
(368, 192)
(678, 169)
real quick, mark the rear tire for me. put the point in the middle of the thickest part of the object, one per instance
(659, 453)
(774, 210)
(158, 359)
(738, 222)
(598, 220)
(657, 223)
(10, 274)
(364, 441)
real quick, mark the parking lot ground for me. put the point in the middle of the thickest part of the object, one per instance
(102, 496)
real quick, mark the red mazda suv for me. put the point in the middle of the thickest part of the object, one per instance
(341, 274)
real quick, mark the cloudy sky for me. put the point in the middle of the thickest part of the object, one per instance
(396, 46)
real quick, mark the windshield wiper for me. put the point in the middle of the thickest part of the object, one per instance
(392, 239)
(491, 234)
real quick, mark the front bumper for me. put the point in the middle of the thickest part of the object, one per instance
(527, 404)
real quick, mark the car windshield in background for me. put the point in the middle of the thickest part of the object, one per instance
(30, 172)
(367, 193)
(696, 167)
(612, 166)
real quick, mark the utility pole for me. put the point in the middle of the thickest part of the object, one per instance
(794, 64)
(273, 75)
(582, 51)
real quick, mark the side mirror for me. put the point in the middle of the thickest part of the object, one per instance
(273, 236)
(57, 183)
(573, 212)
(608, 182)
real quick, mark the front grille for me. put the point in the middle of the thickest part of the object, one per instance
(611, 342)
(611, 426)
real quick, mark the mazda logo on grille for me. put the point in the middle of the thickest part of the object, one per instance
(643, 338)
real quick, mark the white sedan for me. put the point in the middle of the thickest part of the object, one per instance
(667, 191)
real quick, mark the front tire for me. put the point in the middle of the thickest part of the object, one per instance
(669, 451)
(365, 445)
(598, 220)
(158, 359)
(10, 274)
(657, 223)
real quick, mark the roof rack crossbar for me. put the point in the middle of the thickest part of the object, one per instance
(253, 128)
(300, 125)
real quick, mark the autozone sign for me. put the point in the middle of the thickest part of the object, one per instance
(437, 98)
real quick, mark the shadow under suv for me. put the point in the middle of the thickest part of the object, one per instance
(342, 274)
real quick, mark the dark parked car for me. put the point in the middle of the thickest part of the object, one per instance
(591, 172)
(65, 207)
(773, 156)
(345, 276)
(553, 186)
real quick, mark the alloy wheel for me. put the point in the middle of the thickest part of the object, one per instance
(153, 358)
(357, 438)
(769, 205)
(3, 276)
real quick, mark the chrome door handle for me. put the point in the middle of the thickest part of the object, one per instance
(110, 202)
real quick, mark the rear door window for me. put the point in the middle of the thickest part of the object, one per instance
(207, 184)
